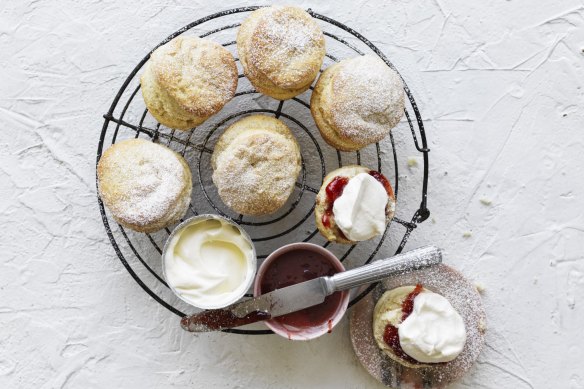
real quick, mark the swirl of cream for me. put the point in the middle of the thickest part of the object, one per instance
(209, 263)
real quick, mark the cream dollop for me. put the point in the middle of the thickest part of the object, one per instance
(360, 210)
(434, 332)
(209, 263)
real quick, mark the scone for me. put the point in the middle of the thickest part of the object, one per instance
(146, 186)
(281, 49)
(356, 102)
(417, 327)
(354, 204)
(187, 80)
(256, 163)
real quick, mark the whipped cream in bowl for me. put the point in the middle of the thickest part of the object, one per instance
(209, 261)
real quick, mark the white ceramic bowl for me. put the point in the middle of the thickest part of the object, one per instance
(252, 266)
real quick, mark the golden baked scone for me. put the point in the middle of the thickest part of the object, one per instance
(146, 186)
(388, 310)
(187, 80)
(256, 162)
(356, 102)
(281, 49)
(332, 188)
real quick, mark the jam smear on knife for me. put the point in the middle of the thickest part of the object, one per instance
(223, 318)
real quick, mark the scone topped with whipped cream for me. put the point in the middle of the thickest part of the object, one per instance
(354, 204)
(417, 327)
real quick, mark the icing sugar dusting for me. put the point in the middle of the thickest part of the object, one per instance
(200, 74)
(287, 46)
(148, 179)
(289, 36)
(368, 99)
(255, 175)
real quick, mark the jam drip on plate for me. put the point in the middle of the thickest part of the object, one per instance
(391, 334)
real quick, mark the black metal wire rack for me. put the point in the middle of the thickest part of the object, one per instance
(117, 122)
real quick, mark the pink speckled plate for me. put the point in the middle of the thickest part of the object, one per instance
(464, 298)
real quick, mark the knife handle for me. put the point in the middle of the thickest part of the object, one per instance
(378, 270)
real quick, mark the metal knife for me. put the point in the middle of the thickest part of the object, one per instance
(309, 293)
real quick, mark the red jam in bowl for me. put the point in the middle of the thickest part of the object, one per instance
(299, 265)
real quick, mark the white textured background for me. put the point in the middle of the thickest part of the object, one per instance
(499, 84)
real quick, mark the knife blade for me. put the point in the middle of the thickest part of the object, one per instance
(307, 294)
(277, 303)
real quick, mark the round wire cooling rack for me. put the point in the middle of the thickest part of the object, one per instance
(120, 123)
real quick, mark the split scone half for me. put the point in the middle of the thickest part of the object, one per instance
(354, 204)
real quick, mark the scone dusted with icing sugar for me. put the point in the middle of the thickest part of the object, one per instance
(281, 49)
(256, 163)
(187, 80)
(356, 102)
(146, 186)
(354, 204)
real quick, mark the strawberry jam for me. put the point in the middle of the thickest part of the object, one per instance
(298, 266)
(391, 338)
(391, 334)
(408, 303)
(383, 180)
(334, 190)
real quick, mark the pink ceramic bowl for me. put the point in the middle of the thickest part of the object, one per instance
(333, 313)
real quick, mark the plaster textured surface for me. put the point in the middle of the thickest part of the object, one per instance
(500, 88)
